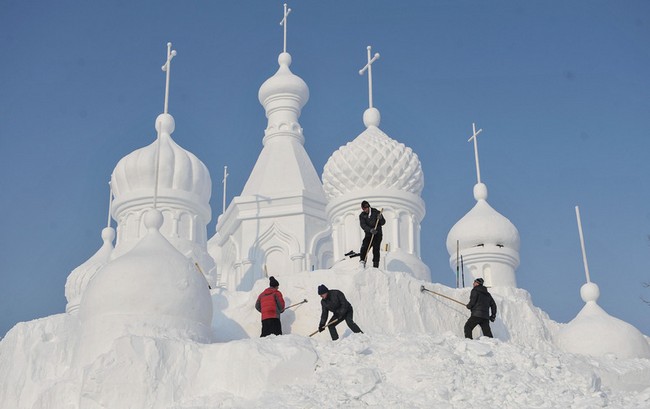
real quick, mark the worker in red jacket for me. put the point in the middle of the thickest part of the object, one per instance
(271, 304)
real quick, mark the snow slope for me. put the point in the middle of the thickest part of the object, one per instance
(412, 355)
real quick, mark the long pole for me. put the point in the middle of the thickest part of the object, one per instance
(372, 238)
(457, 263)
(317, 331)
(298, 303)
(582, 245)
(462, 269)
(422, 288)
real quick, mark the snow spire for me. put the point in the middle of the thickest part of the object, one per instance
(371, 116)
(225, 176)
(163, 121)
(582, 245)
(283, 23)
(110, 203)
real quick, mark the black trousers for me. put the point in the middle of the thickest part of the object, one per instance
(376, 246)
(271, 326)
(348, 320)
(473, 322)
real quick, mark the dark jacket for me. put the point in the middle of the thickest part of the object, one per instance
(270, 303)
(480, 302)
(335, 302)
(368, 221)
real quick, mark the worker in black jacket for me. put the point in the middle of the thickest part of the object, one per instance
(480, 303)
(368, 220)
(335, 301)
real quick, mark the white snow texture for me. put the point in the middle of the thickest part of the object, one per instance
(412, 355)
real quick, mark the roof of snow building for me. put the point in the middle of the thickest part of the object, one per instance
(151, 280)
(180, 171)
(482, 225)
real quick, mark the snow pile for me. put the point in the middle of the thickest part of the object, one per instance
(411, 355)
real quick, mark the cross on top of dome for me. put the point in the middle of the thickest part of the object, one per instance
(474, 137)
(368, 67)
(283, 23)
(167, 68)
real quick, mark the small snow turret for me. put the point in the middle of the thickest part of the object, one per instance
(593, 331)
(486, 240)
(388, 174)
(180, 185)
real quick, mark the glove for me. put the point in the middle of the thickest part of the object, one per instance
(373, 231)
(493, 318)
(321, 328)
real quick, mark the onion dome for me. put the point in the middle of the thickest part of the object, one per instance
(284, 82)
(81, 276)
(181, 174)
(151, 284)
(372, 160)
(595, 333)
(482, 225)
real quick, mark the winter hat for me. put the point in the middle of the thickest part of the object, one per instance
(273, 282)
(322, 289)
(365, 204)
(479, 280)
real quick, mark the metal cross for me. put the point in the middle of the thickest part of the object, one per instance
(368, 67)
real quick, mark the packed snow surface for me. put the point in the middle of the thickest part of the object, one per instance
(411, 355)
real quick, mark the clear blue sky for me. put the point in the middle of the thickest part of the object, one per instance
(560, 89)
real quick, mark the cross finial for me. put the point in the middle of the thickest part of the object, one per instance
(283, 23)
(474, 136)
(368, 67)
(167, 68)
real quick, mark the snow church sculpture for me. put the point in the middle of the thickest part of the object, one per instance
(277, 226)
(487, 241)
(388, 174)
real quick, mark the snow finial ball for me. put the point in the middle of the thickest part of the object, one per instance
(480, 191)
(165, 124)
(108, 234)
(284, 59)
(589, 292)
(371, 117)
(153, 220)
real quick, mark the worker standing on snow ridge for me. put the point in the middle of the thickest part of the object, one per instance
(335, 301)
(371, 221)
(271, 304)
(480, 303)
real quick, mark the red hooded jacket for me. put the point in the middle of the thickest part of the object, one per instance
(270, 303)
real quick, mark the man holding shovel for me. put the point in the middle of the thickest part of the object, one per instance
(371, 221)
(335, 301)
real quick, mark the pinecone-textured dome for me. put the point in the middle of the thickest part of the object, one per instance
(180, 170)
(372, 160)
